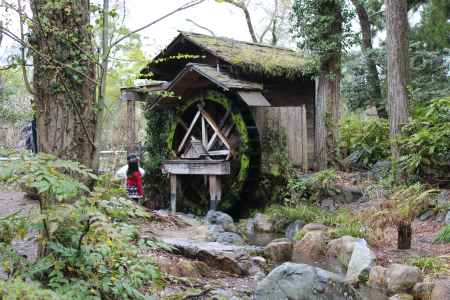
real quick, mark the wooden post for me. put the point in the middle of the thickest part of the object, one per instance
(304, 139)
(404, 236)
(131, 117)
(215, 191)
(173, 193)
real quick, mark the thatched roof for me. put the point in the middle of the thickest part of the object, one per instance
(247, 57)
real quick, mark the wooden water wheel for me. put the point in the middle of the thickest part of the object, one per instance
(213, 126)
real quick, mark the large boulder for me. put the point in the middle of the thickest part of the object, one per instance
(377, 277)
(222, 219)
(402, 278)
(447, 218)
(263, 223)
(279, 251)
(293, 229)
(441, 290)
(361, 261)
(292, 281)
(311, 247)
(341, 249)
(423, 290)
(229, 258)
(314, 227)
(181, 267)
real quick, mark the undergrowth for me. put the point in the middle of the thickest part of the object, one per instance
(430, 265)
(443, 236)
(88, 248)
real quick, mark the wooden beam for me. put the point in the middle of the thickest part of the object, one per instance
(173, 192)
(216, 128)
(215, 191)
(304, 139)
(188, 133)
(131, 117)
(204, 134)
(214, 137)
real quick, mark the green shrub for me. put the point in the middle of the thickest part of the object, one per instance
(444, 235)
(313, 188)
(18, 289)
(363, 142)
(87, 248)
(354, 229)
(425, 141)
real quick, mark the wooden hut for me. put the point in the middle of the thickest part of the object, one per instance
(223, 95)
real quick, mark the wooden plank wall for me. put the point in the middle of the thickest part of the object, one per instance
(290, 119)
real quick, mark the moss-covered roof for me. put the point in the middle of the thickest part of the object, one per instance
(252, 57)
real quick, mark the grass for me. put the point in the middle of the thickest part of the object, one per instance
(344, 221)
(430, 265)
(444, 235)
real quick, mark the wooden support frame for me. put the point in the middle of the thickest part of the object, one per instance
(131, 114)
(175, 192)
(215, 191)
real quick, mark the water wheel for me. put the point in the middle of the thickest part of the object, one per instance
(213, 126)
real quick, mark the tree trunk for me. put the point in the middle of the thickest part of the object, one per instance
(103, 74)
(367, 47)
(404, 236)
(397, 75)
(327, 112)
(64, 79)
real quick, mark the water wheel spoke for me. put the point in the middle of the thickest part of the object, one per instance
(188, 133)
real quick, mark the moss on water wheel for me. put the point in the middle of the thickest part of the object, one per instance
(195, 191)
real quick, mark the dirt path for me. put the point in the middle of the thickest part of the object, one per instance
(11, 202)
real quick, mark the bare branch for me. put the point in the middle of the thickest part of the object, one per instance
(181, 8)
(22, 52)
(243, 6)
(201, 27)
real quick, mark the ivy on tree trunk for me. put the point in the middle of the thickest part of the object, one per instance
(64, 79)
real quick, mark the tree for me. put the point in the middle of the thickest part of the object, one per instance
(373, 79)
(322, 27)
(277, 13)
(69, 81)
(397, 66)
(64, 80)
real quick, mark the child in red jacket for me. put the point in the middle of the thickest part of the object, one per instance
(134, 178)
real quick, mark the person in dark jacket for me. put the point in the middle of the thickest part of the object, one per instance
(134, 178)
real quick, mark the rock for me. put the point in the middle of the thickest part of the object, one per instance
(229, 238)
(181, 267)
(279, 251)
(447, 218)
(341, 249)
(401, 278)
(229, 258)
(250, 227)
(348, 194)
(422, 290)
(401, 297)
(293, 229)
(220, 218)
(443, 198)
(220, 294)
(328, 204)
(213, 231)
(380, 169)
(361, 261)
(303, 282)
(441, 290)
(259, 260)
(377, 277)
(426, 215)
(314, 227)
(311, 247)
(263, 223)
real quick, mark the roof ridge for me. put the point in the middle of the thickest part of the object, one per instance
(238, 41)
